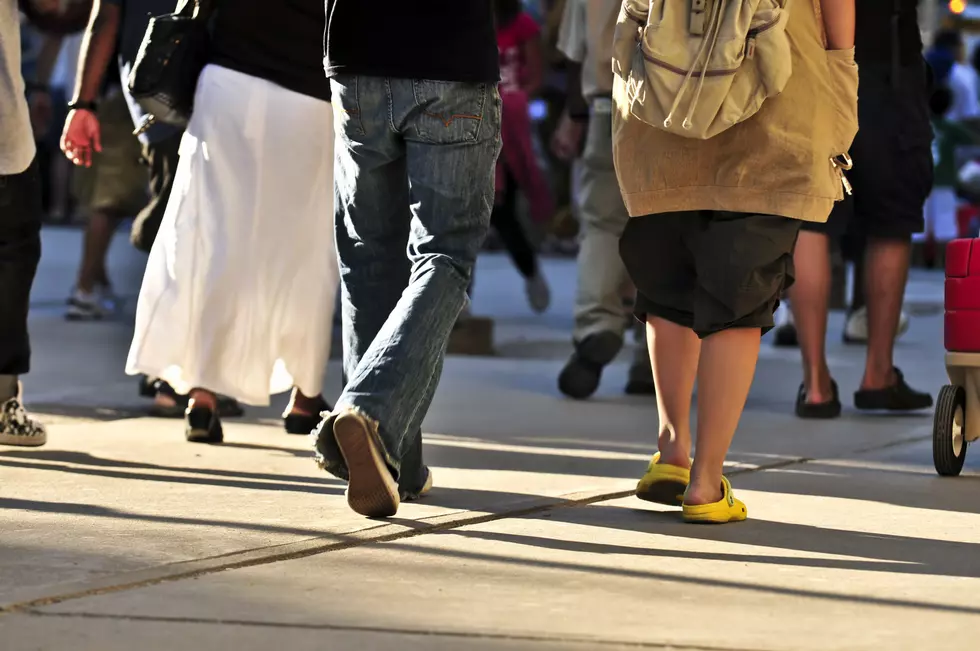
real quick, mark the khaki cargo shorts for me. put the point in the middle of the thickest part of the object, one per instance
(117, 182)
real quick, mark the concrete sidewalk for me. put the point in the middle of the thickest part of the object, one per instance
(119, 535)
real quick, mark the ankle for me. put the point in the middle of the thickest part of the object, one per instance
(879, 376)
(306, 406)
(703, 493)
(203, 398)
(674, 450)
(8, 387)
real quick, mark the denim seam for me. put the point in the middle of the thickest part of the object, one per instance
(391, 105)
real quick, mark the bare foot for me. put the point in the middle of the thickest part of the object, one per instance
(697, 495)
(673, 452)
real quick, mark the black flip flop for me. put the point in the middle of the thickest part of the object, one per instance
(819, 410)
(898, 397)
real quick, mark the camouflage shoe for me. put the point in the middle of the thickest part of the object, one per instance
(17, 427)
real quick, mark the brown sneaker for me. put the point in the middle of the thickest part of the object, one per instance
(372, 490)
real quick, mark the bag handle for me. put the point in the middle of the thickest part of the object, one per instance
(196, 9)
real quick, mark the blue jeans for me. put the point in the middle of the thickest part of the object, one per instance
(414, 189)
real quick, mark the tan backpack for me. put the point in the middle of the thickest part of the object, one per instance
(697, 67)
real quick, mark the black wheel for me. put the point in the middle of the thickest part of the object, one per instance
(948, 431)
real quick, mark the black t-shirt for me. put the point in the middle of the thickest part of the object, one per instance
(136, 15)
(444, 40)
(874, 31)
(279, 41)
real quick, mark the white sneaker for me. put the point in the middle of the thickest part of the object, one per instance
(17, 427)
(784, 333)
(856, 327)
(91, 306)
(538, 293)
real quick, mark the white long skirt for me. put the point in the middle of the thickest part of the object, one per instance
(238, 295)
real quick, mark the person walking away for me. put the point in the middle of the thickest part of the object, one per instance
(113, 188)
(950, 136)
(963, 78)
(239, 291)
(521, 75)
(417, 139)
(601, 315)
(892, 178)
(20, 235)
(714, 218)
(116, 31)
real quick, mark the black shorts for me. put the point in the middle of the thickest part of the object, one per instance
(161, 157)
(710, 271)
(892, 155)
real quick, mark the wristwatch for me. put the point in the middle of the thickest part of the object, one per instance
(82, 105)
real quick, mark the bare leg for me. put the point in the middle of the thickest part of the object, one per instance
(98, 237)
(857, 298)
(674, 353)
(809, 298)
(725, 373)
(886, 272)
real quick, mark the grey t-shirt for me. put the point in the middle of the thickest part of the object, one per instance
(16, 140)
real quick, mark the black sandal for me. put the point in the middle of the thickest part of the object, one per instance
(303, 423)
(818, 410)
(202, 425)
(227, 407)
(898, 397)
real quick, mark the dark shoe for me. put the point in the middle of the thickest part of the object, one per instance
(147, 387)
(640, 382)
(580, 377)
(818, 410)
(173, 405)
(898, 397)
(202, 425)
(784, 336)
(426, 487)
(304, 423)
(372, 491)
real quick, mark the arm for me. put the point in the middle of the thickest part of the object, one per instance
(47, 58)
(567, 140)
(838, 22)
(98, 48)
(73, 19)
(39, 98)
(82, 133)
(533, 66)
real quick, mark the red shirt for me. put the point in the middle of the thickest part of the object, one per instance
(510, 43)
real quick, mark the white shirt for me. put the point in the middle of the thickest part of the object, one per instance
(963, 84)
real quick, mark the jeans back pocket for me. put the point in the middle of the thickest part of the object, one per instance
(455, 112)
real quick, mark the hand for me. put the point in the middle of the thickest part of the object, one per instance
(566, 142)
(81, 136)
(41, 110)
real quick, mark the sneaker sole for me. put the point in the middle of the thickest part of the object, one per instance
(372, 491)
(23, 441)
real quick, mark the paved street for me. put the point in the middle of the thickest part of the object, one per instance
(119, 535)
